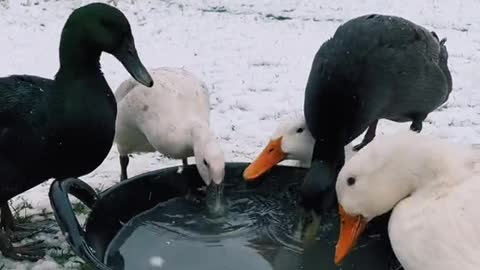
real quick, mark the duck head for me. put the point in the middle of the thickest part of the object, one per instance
(209, 157)
(97, 28)
(385, 172)
(291, 140)
(211, 167)
(366, 187)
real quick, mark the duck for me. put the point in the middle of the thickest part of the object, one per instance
(171, 118)
(374, 67)
(62, 127)
(431, 184)
(291, 140)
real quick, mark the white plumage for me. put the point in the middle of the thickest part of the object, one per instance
(171, 118)
(290, 141)
(434, 190)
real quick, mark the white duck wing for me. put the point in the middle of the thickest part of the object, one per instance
(462, 224)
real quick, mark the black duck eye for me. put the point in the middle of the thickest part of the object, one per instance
(299, 130)
(351, 181)
(206, 163)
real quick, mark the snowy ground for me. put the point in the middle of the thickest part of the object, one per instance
(255, 57)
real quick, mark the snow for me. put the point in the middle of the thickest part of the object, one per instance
(157, 261)
(255, 66)
(45, 265)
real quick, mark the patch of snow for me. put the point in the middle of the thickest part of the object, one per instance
(46, 265)
(157, 261)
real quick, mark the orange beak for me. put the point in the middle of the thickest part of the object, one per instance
(271, 155)
(350, 230)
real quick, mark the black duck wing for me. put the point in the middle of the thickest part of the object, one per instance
(23, 141)
(23, 115)
(402, 65)
(373, 67)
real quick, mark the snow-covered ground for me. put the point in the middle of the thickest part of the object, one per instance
(255, 57)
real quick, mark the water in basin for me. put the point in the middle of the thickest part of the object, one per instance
(258, 231)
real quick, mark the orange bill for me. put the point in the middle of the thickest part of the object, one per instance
(350, 230)
(271, 155)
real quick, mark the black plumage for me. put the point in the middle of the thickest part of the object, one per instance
(63, 127)
(374, 67)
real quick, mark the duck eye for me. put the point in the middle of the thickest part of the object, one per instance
(351, 181)
(299, 130)
(206, 163)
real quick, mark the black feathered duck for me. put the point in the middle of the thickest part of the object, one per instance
(63, 127)
(374, 67)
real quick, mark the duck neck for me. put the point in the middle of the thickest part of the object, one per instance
(331, 153)
(437, 173)
(200, 139)
(200, 132)
(430, 183)
(77, 56)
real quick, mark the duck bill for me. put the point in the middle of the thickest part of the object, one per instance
(128, 56)
(351, 227)
(271, 155)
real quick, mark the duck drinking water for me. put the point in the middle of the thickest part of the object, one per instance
(431, 185)
(374, 67)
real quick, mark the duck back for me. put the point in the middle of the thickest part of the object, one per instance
(374, 67)
(23, 117)
(24, 141)
(161, 118)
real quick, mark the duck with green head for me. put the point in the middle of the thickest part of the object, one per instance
(63, 127)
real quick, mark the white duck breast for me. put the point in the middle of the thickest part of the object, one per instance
(433, 189)
(171, 118)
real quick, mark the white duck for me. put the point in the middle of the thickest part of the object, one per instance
(291, 141)
(434, 191)
(172, 118)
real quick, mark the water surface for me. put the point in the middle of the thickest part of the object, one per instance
(258, 231)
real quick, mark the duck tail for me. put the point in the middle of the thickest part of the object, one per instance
(443, 51)
(442, 42)
(443, 63)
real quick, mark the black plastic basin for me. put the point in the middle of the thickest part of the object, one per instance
(116, 206)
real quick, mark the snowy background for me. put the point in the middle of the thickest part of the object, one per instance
(255, 57)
